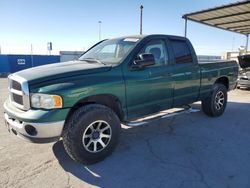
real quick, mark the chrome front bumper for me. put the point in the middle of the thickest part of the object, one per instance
(243, 83)
(35, 132)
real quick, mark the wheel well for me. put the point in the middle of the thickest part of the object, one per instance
(224, 81)
(104, 99)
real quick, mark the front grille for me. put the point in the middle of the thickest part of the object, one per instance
(16, 85)
(18, 99)
(19, 92)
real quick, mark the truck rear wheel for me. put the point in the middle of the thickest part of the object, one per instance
(91, 134)
(216, 103)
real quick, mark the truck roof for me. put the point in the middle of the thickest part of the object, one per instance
(150, 36)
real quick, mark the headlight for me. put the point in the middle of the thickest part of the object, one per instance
(46, 101)
(243, 75)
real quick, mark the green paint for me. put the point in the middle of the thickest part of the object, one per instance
(140, 92)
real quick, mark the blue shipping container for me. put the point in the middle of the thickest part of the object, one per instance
(4, 64)
(39, 60)
(19, 62)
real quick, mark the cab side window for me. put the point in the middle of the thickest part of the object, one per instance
(182, 53)
(157, 48)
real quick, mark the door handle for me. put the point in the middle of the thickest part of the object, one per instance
(169, 74)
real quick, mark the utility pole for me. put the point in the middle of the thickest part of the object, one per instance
(100, 22)
(141, 7)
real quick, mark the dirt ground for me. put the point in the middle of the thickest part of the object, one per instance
(185, 151)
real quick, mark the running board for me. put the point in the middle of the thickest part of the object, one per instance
(161, 115)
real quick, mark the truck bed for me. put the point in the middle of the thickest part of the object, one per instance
(224, 69)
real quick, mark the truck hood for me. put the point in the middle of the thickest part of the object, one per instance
(244, 61)
(61, 70)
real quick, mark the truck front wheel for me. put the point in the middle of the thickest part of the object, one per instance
(216, 103)
(91, 134)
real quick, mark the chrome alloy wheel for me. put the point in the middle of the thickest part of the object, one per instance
(219, 100)
(97, 136)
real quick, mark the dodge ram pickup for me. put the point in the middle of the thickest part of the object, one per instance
(118, 80)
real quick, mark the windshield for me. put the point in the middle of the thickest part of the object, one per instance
(110, 51)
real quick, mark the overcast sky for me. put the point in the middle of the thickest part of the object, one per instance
(73, 25)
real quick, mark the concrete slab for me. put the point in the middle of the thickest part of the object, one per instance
(188, 150)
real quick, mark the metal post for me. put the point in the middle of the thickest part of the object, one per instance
(49, 47)
(247, 42)
(100, 22)
(185, 29)
(141, 7)
(31, 54)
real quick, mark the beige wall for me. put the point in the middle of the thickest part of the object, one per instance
(233, 55)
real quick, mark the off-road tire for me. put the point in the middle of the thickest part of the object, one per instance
(78, 124)
(209, 104)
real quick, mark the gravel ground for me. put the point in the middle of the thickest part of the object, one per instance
(188, 150)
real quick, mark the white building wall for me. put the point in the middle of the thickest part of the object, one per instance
(70, 55)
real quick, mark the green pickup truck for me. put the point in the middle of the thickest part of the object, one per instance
(116, 81)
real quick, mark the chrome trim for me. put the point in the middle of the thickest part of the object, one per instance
(44, 130)
(16, 91)
(24, 93)
(160, 115)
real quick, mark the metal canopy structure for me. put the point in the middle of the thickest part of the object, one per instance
(233, 17)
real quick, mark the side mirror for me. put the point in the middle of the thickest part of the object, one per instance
(143, 60)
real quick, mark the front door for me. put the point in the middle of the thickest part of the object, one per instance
(149, 90)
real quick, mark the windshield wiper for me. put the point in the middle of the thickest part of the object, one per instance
(93, 60)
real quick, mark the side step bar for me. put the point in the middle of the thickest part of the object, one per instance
(161, 115)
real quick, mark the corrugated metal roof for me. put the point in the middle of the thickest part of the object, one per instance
(233, 17)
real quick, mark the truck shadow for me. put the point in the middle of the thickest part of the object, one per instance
(170, 152)
(244, 89)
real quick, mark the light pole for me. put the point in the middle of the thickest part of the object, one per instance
(141, 7)
(100, 23)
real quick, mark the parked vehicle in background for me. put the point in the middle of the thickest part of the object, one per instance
(117, 80)
(244, 73)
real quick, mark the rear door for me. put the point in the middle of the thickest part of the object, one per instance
(149, 90)
(186, 72)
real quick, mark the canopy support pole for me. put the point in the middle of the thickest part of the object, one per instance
(247, 42)
(185, 29)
